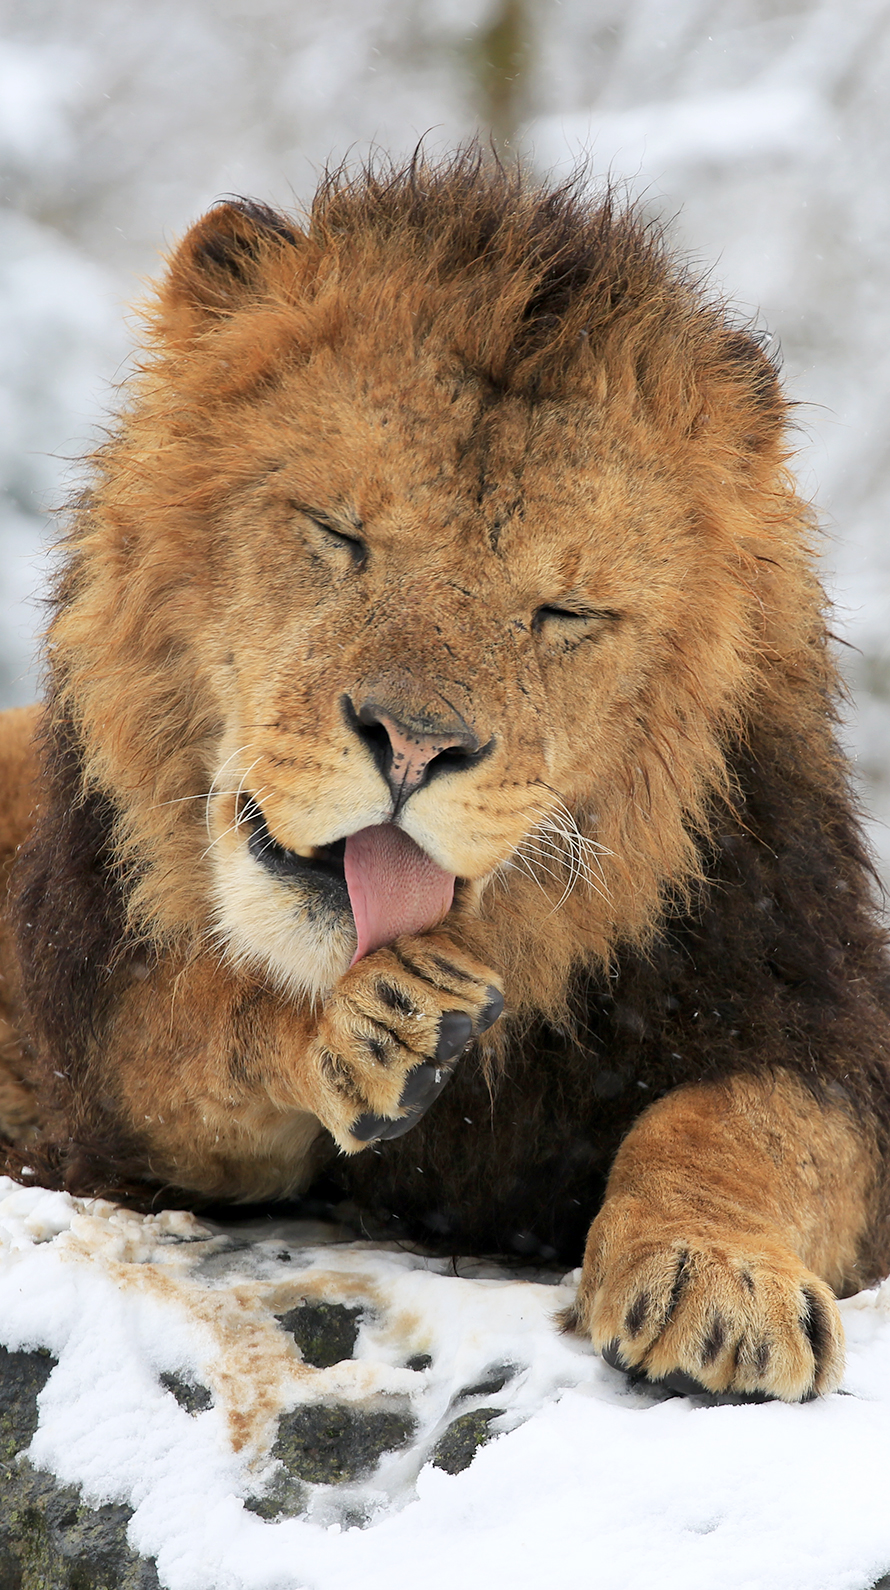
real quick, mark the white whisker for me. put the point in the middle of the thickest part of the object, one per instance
(218, 774)
(239, 817)
(204, 795)
(518, 863)
(557, 848)
(229, 830)
(240, 790)
(244, 814)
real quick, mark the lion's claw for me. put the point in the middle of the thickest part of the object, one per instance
(381, 1128)
(455, 1032)
(678, 1381)
(493, 1009)
(423, 1086)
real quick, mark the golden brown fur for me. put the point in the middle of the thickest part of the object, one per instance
(481, 458)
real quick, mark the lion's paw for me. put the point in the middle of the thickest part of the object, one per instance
(392, 1032)
(706, 1310)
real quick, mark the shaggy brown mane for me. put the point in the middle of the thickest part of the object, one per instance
(517, 287)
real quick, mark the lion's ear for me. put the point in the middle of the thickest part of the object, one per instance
(219, 265)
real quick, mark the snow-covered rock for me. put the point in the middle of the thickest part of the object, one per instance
(279, 1407)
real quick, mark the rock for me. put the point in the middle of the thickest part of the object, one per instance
(324, 1332)
(370, 1412)
(49, 1539)
(493, 1380)
(22, 1378)
(286, 1497)
(456, 1449)
(333, 1444)
(191, 1396)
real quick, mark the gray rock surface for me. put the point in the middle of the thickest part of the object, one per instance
(48, 1539)
(333, 1444)
(51, 1540)
(456, 1449)
(324, 1332)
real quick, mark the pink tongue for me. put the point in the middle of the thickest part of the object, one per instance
(394, 887)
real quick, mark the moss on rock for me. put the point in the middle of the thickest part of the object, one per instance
(324, 1332)
(333, 1444)
(456, 1449)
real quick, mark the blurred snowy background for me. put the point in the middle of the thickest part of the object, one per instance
(759, 129)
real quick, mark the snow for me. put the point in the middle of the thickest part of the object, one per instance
(586, 1477)
(721, 127)
(60, 320)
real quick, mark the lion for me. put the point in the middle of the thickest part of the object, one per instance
(436, 790)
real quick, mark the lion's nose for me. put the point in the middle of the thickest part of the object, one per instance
(409, 750)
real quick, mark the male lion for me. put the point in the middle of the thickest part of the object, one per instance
(440, 638)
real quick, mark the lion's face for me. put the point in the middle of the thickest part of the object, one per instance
(408, 589)
(438, 613)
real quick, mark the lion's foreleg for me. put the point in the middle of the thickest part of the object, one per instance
(733, 1213)
(228, 1084)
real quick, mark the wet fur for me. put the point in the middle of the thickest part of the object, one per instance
(722, 957)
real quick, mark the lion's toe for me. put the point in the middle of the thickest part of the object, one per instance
(393, 1032)
(713, 1315)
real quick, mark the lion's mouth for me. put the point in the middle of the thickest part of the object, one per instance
(322, 861)
(393, 886)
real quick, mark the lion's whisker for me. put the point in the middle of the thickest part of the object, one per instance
(580, 852)
(217, 775)
(230, 829)
(538, 859)
(244, 814)
(179, 799)
(518, 863)
(240, 790)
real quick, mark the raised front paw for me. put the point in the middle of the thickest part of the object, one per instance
(711, 1309)
(392, 1032)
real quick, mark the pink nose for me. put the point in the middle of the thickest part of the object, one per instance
(411, 753)
(409, 749)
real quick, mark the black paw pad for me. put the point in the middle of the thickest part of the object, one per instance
(492, 1010)
(455, 1032)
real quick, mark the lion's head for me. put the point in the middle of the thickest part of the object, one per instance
(441, 550)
